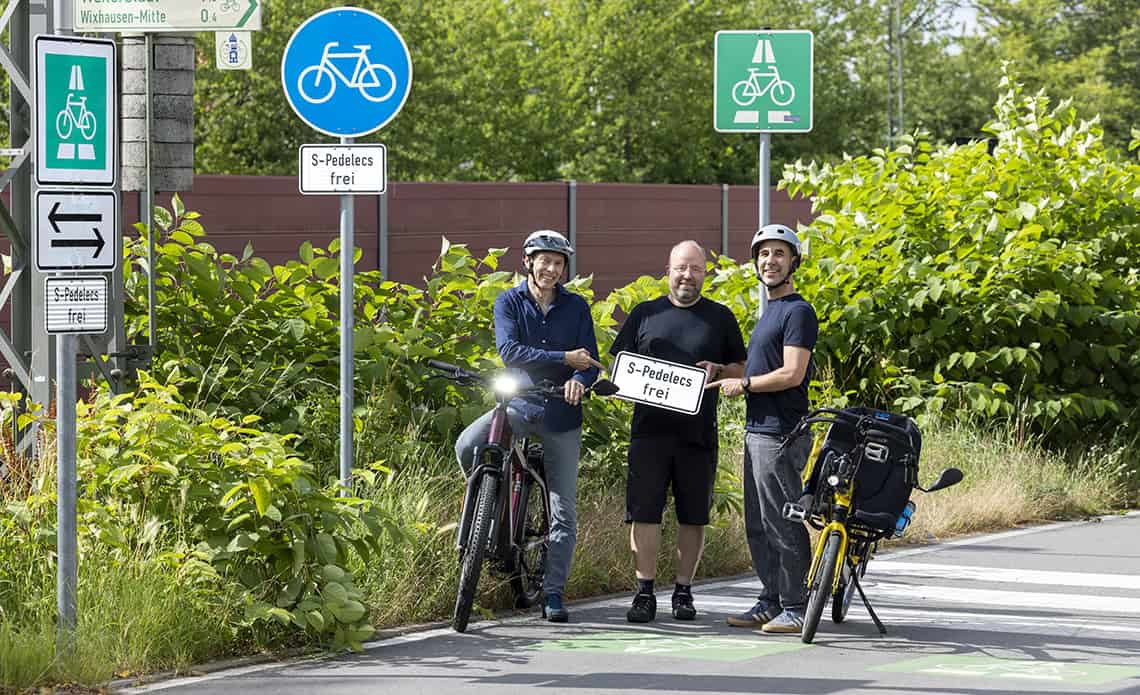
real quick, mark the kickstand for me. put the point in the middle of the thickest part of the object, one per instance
(859, 588)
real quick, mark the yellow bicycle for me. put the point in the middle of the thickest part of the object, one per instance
(856, 492)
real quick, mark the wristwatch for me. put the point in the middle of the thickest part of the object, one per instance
(744, 384)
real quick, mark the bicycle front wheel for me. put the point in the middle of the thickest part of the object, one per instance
(472, 564)
(534, 544)
(783, 93)
(820, 589)
(377, 83)
(743, 94)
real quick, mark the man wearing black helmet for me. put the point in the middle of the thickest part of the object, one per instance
(547, 332)
(775, 380)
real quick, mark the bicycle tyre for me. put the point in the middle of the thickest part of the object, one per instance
(783, 93)
(530, 562)
(472, 564)
(389, 79)
(63, 119)
(319, 70)
(741, 95)
(820, 589)
(87, 125)
(845, 591)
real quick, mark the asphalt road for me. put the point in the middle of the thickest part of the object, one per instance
(1052, 609)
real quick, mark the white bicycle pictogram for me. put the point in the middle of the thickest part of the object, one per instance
(375, 81)
(748, 90)
(74, 114)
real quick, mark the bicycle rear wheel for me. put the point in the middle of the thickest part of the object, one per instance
(534, 544)
(821, 588)
(472, 564)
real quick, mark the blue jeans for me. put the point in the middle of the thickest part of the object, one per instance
(781, 549)
(560, 456)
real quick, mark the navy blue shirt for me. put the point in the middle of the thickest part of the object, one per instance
(791, 321)
(537, 344)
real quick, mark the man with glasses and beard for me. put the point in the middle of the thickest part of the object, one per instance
(672, 449)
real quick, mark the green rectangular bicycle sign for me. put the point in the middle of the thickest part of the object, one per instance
(762, 81)
(76, 111)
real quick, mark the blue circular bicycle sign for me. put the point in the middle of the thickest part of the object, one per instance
(346, 72)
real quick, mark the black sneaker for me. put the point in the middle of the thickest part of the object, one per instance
(683, 606)
(644, 608)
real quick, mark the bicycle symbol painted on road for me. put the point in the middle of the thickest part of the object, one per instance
(375, 81)
(75, 115)
(749, 90)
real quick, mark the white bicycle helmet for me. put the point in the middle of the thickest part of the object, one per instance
(780, 233)
(548, 240)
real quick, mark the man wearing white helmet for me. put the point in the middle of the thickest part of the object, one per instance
(775, 380)
(547, 332)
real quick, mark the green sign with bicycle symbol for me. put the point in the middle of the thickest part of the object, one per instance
(76, 116)
(762, 82)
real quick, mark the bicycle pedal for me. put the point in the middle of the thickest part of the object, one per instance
(794, 512)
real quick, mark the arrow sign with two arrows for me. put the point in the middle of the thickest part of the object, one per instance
(55, 217)
(80, 224)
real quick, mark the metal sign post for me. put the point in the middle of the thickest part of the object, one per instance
(346, 73)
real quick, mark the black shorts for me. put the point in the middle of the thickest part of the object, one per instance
(655, 463)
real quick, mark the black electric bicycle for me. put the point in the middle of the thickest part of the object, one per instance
(506, 506)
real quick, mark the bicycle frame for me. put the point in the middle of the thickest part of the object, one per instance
(361, 63)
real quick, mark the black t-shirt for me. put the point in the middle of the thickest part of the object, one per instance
(788, 320)
(658, 328)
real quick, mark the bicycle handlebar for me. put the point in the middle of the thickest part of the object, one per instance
(547, 388)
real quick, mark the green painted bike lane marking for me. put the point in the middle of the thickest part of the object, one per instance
(980, 665)
(648, 644)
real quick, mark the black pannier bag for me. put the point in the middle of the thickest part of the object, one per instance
(887, 461)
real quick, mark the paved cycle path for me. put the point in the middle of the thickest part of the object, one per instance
(1052, 609)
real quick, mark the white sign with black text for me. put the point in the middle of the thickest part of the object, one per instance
(659, 383)
(76, 304)
(341, 169)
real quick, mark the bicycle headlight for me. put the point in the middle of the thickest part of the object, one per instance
(505, 385)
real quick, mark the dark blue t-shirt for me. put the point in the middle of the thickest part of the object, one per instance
(792, 321)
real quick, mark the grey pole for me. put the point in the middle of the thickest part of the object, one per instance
(765, 200)
(148, 196)
(383, 227)
(67, 569)
(724, 219)
(572, 225)
(347, 304)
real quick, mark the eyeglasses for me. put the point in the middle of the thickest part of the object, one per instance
(694, 269)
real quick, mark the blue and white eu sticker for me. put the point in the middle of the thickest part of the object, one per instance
(346, 72)
(659, 383)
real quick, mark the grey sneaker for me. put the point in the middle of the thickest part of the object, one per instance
(787, 622)
(756, 616)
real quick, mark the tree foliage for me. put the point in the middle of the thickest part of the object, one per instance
(950, 279)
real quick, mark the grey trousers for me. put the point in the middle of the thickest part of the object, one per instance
(560, 457)
(781, 549)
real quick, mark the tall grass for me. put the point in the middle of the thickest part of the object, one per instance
(137, 615)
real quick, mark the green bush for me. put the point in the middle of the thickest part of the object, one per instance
(950, 280)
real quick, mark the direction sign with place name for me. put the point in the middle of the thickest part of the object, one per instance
(763, 81)
(659, 383)
(76, 111)
(167, 15)
(76, 304)
(77, 230)
(346, 72)
(340, 169)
